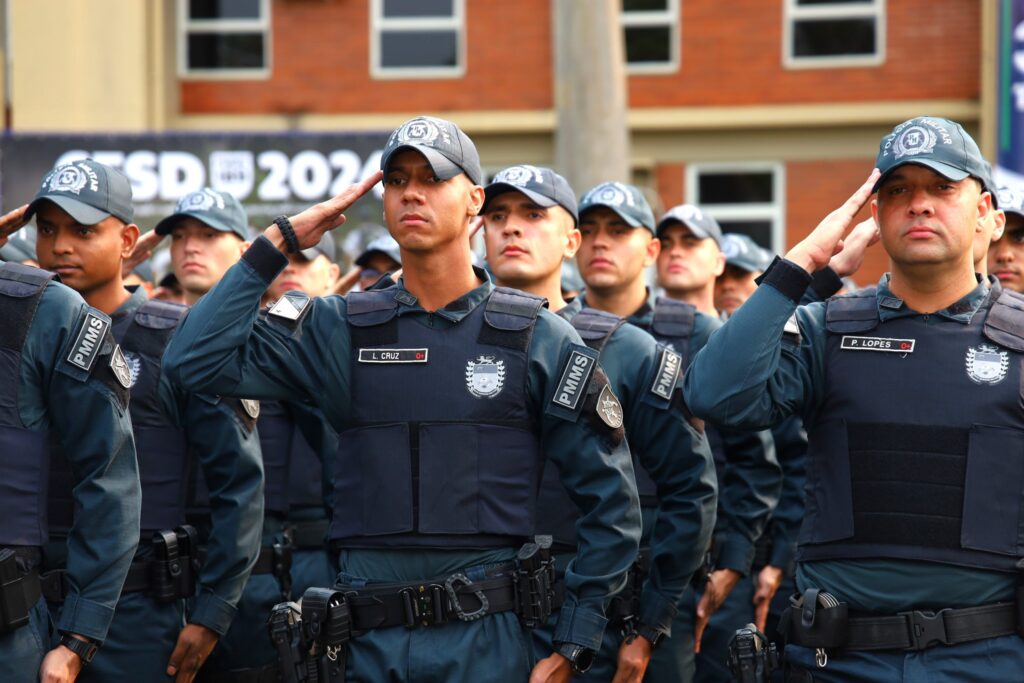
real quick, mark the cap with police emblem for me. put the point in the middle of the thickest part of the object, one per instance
(447, 149)
(939, 144)
(625, 200)
(543, 186)
(88, 191)
(219, 210)
(744, 253)
(693, 219)
(385, 244)
(1011, 200)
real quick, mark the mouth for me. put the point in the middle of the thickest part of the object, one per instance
(676, 268)
(1007, 274)
(513, 250)
(920, 232)
(65, 269)
(412, 219)
(192, 266)
(600, 263)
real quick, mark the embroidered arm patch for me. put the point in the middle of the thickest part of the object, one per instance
(574, 379)
(88, 342)
(667, 377)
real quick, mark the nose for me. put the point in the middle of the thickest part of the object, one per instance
(920, 203)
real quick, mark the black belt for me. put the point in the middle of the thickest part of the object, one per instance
(309, 534)
(919, 629)
(274, 559)
(431, 603)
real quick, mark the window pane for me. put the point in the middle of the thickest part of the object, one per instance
(418, 48)
(648, 44)
(224, 9)
(757, 230)
(735, 188)
(644, 5)
(830, 37)
(225, 51)
(419, 8)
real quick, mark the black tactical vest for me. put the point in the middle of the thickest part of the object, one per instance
(24, 454)
(276, 432)
(672, 325)
(444, 452)
(918, 449)
(305, 474)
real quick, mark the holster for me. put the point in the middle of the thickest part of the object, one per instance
(18, 592)
(815, 620)
(534, 582)
(625, 606)
(175, 568)
(312, 640)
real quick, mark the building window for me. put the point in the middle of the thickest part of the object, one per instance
(224, 38)
(651, 32)
(745, 198)
(417, 38)
(829, 33)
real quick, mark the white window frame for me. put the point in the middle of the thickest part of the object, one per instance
(187, 25)
(793, 12)
(380, 23)
(774, 211)
(670, 17)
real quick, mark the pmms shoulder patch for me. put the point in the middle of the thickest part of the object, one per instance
(89, 342)
(668, 374)
(575, 379)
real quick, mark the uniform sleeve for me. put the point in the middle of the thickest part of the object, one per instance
(791, 448)
(229, 454)
(746, 376)
(89, 411)
(594, 465)
(679, 461)
(751, 485)
(221, 347)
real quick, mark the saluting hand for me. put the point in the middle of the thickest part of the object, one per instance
(816, 250)
(195, 643)
(851, 258)
(11, 223)
(143, 250)
(311, 224)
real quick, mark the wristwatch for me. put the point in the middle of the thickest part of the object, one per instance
(580, 657)
(85, 649)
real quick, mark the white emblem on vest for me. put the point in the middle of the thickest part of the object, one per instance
(987, 364)
(120, 368)
(608, 408)
(134, 367)
(251, 407)
(485, 376)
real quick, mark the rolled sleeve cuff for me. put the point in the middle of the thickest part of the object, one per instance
(85, 617)
(266, 259)
(580, 626)
(783, 552)
(790, 279)
(736, 553)
(825, 283)
(657, 612)
(212, 612)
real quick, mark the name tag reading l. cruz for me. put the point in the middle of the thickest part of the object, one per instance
(393, 355)
(851, 343)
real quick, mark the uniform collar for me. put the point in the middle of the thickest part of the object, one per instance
(891, 306)
(133, 302)
(572, 307)
(453, 311)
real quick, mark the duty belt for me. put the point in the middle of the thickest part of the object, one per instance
(19, 592)
(309, 534)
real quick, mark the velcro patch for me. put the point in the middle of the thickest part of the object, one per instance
(290, 306)
(852, 343)
(393, 355)
(573, 384)
(668, 374)
(89, 342)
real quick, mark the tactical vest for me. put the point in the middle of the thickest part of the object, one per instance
(24, 454)
(917, 451)
(444, 451)
(305, 475)
(277, 433)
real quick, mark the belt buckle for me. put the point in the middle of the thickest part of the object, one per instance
(926, 628)
(450, 586)
(423, 604)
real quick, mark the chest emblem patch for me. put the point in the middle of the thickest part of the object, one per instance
(485, 376)
(134, 367)
(987, 364)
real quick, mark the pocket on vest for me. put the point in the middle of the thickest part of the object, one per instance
(373, 482)
(993, 489)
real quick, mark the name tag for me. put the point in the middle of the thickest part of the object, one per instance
(393, 355)
(575, 379)
(851, 343)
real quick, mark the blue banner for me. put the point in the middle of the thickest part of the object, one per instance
(1010, 98)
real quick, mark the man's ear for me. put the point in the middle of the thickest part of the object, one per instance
(719, 264)
(476, 200)
(129, 237)
(653, 249)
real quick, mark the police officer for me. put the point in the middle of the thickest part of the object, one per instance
(66, 392)
(744, 262)
(440, 387)
(1006, 252)
(530, 228)
(382, 255)
(910, 392)
(84, 235)
(20, 248)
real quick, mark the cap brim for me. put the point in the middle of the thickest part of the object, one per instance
(629, 220)
(943, 169)
(743, 265)
(497, 189)
(165, 226)
(80, 211)
(697, 231)
(443, 167)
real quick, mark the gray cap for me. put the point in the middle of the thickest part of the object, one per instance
(448, 150)
(325, 246)
(696, 221)
(385, 244)
(940, 144)
(219, 210)
(1011, 200)
(625, 200)
(88, 191)
(20, 247)
(543, 186)
(741, 251)
(144, 270)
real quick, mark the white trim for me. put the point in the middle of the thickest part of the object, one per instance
(774, 212)
(187, 26)
(670, 17)
(456, 23)
(792, 12)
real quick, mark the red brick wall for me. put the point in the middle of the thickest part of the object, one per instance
(731, 55)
